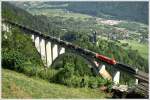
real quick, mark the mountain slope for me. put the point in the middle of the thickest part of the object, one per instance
(21, 16)
(16, 85)
(134, 11)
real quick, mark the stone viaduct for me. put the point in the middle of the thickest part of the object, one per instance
(51, 47)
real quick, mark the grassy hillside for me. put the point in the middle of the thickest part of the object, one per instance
(57, 12)
(16, 85)
(142, 48)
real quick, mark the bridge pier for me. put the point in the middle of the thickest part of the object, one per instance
(136, 80)
(2, 27)
(116, 77)
(54, 51)
(61, 50)
(104, 73)
(37, 43)
(5, 27)
(32, 37)
(49, 53)
(42, 52)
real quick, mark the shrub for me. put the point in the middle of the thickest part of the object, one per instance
(42, 74)
(73, 81)
(65, 73)
(27, 68)
(50, 73)
(101, 81)
(93, 83)
(12, 59)
(68, 82)
(76, 81)
(86, 81)
(125, 44)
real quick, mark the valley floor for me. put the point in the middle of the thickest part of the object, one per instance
(17, 85)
